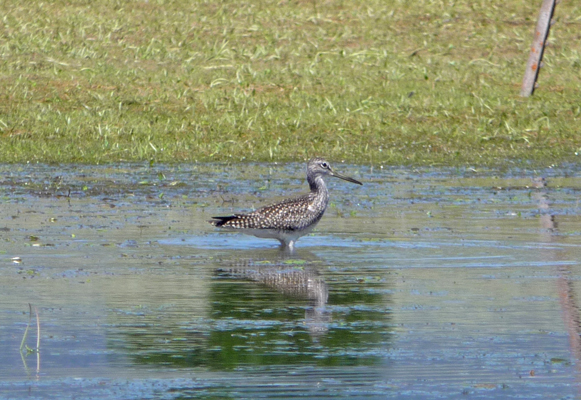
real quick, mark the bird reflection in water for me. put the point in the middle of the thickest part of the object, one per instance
(302, 282)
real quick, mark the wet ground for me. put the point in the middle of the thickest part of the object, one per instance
(421, 284)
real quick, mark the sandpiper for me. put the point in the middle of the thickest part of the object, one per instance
(292, 218)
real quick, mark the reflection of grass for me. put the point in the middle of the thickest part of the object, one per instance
(424, 81)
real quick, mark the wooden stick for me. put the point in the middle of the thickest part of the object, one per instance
(538, 48)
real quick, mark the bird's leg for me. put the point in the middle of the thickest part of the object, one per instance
(287, 247)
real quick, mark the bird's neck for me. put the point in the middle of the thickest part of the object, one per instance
(317, 184)
(319, 188)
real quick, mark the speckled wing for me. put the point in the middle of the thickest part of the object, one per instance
(288, 215)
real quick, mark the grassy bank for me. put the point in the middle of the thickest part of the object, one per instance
(424, 82)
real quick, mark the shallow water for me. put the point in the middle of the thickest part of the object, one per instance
(419, 284)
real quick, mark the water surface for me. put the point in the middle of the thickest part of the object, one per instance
(419, 284)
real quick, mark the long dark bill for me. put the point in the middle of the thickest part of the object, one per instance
(345, 178)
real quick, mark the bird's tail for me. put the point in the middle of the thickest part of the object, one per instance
(219, 221)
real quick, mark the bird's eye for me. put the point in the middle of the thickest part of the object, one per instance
(324, 165)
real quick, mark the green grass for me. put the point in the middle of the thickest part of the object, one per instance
(422, 82)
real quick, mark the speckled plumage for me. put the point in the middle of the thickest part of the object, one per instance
(292, 218)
